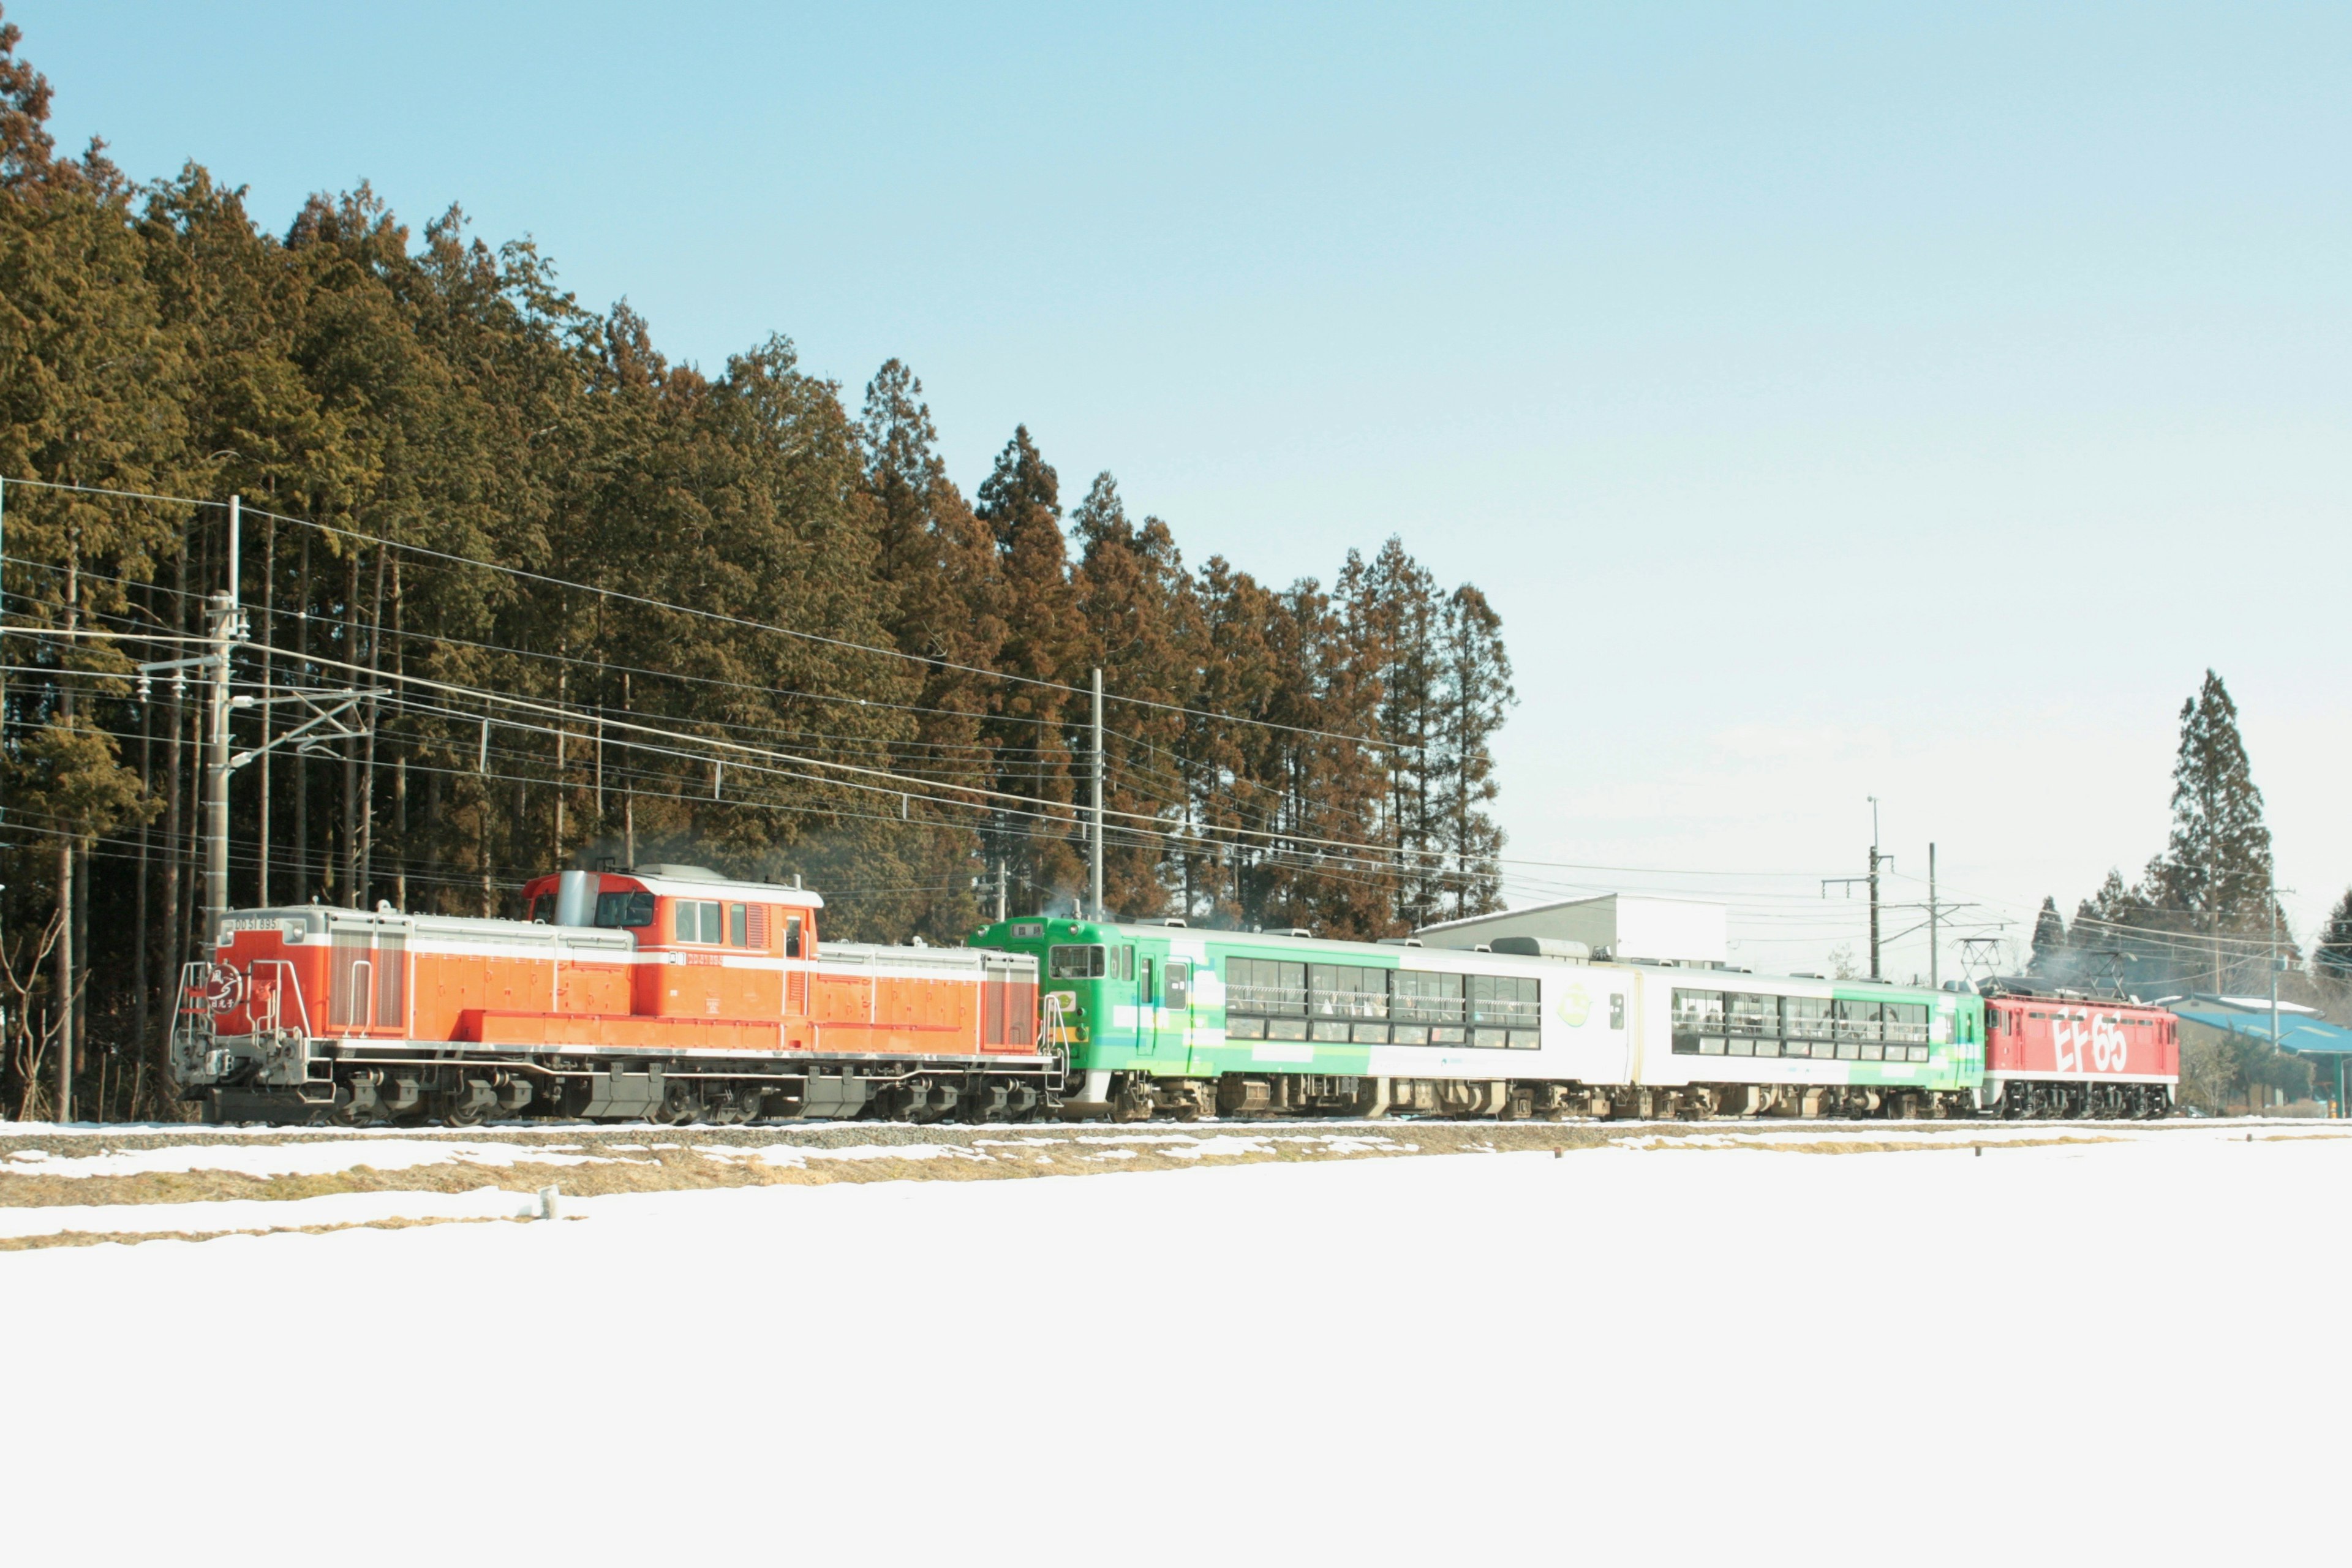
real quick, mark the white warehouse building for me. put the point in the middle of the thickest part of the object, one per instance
(1627, 927)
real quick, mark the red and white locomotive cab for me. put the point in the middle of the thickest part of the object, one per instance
(2061, 1052)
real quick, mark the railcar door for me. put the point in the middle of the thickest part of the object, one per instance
(1172, 1019)
(1586, 1024)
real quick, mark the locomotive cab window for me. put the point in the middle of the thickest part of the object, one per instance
(738, 926)
(542, 909)
(625, 912)
(1075, 961)
(792, 936)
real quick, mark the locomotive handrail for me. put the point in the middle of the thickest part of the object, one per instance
(359, 1016)
(1056, 1017)
(293, 982)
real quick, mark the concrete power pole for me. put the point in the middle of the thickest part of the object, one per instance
(1934, 974)
(1875, 975)
(217, 768)
(1094, 858)
(1877, 862)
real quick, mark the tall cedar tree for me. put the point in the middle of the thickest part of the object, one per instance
(2049, 937)
(1138, 608)
(1474, 694)
(2332, 955)
(2202, 915)
(1021, 504)
(948, 601)
(2218, 863)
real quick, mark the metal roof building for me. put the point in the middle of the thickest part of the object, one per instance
(1629, 927)
(2301, 1030)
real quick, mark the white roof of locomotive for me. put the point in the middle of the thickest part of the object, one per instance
(696, 882)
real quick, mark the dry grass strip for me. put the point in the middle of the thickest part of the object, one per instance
(1011, 1152)
(1891, 1146)
(130, 1237)
(652, 1171)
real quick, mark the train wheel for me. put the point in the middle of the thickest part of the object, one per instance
(678, 1106)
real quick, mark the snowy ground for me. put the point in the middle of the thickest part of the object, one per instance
(1689, 1348)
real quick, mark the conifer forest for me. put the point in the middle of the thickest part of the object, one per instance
(596, 606)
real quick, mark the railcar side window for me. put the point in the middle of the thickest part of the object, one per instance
(631, 911)
(1074, 961)
(1177, 977)
(1348, 991)
(1698, 1017)
(1805, 1018)
(1424, 998)
(1265, 985)
(1853, 1023)
(1510, 1001)
(1751, 1023)
(1752, 1014)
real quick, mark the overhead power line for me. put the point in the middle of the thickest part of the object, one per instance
(745, 622)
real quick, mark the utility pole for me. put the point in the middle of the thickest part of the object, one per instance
(1873, 889)
(1094, 860)
(1876, 861)
(2275, 968)
(217, 769)
(1000, 891)
(1934, 976)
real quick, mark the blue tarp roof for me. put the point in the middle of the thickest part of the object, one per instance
(2296, 1033)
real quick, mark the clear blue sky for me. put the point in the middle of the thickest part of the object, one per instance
(1836, 400)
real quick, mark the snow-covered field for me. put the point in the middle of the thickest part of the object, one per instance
(1700, 1350)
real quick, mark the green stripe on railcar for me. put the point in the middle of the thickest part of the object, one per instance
(1147, 998)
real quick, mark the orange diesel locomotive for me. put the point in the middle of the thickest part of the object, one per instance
(665, 992)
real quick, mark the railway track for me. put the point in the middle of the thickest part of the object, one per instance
(1433, 1134)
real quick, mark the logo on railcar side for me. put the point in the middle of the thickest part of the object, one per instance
(2098, 1033)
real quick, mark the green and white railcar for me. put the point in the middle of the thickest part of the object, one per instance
(1163, 1020)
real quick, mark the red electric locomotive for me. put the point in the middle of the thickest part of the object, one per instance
(2064, 1053)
